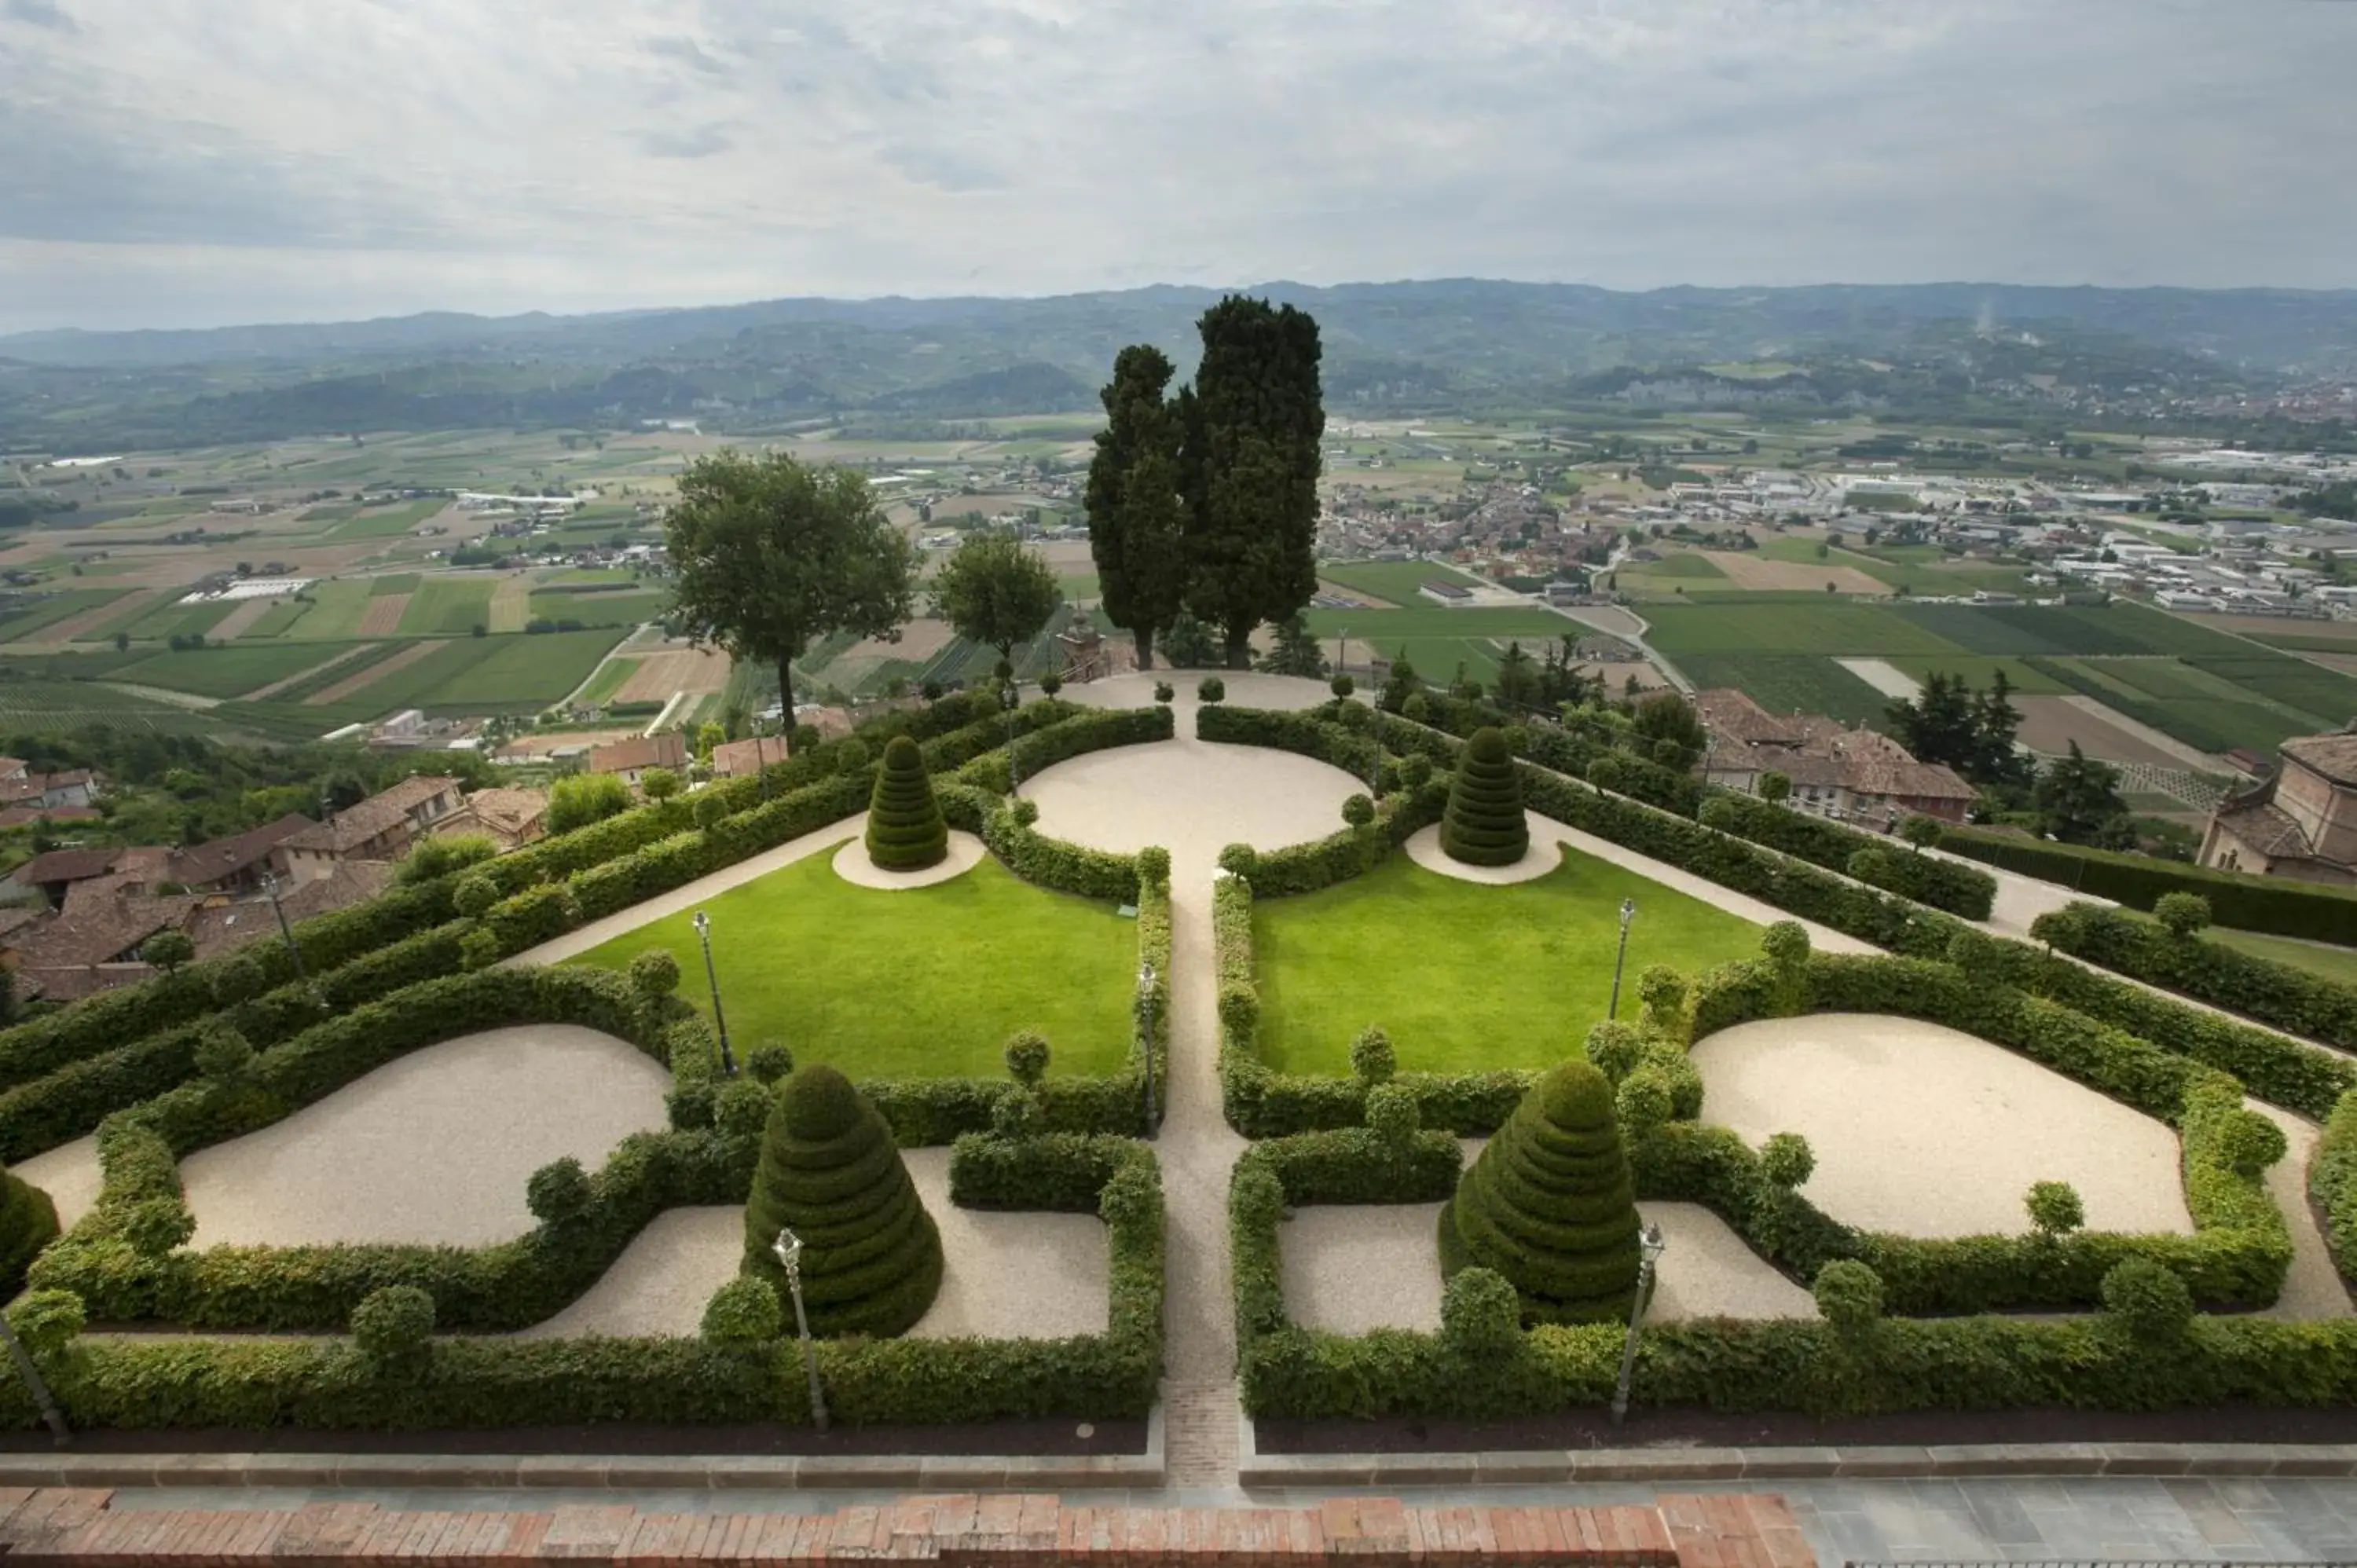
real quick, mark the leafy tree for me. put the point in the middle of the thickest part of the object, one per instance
(1665, 716)
(1995, 721)
(1775, 788)
(1136, 515)
(1297, 652)
(2079, 800)
(1190, 645)
(577, 801)
(1518, 678)
(1939, 724)
(997, 591)
(167, 951)
(660, 783)
(768, 554)
(1250, 470)
(442, 855)
(708, 736)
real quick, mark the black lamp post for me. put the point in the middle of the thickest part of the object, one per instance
(788, 1248)
(702, 923)
(1145, 997)
(32, 1376)
(270, 887)
(1010, 699)
(1651, 1245)
(1628, 913)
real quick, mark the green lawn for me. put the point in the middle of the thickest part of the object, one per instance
(1680, 564)
(2325, 962)
(1466, 977)
(222, 671)
(449, 607)
(926, 983)
(1397, 581)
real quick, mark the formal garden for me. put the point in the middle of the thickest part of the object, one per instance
(1839, 1147)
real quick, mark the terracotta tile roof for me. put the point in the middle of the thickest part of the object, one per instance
(64, 865)
(355, 825)
(104, 931)
(2334, 755)
(1723, 710)
(512, 811)
(225, 926)
(224, 858)
(642, 751)
(2266, 827)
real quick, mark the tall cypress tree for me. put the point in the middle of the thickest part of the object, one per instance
(1136, 515)
(1251, 462)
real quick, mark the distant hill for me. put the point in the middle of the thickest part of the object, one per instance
(1398, 346)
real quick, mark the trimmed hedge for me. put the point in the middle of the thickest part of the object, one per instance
(151, 1382)
(1078, 733)
(2238, 899)
(1892, 865)
(2332, 1183)
(2293, 1000)
(29, 1222)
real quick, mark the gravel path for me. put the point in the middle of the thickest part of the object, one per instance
(1925, 1131)
(1349, 1268)
(1008, 1276)
(851, 863)
(2312, 1287)
(68, 1174)
(573, 944)
(433, 1148)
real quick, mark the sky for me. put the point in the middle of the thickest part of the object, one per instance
(196, 162)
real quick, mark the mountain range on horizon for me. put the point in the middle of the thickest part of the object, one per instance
(1405, 347)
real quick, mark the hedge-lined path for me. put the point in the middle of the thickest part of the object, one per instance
(1022, 1275)
(1194, 797)
(1922, 1129)
(69, 1174)
(2312, 1287)
(573, 944)
(434, 1147)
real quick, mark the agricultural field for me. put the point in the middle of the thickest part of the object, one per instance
(1396, 581)
(28, 614)
(509, 675)
(1789, 683)
(1435, 639)
(57, 705)
(447, 606)
(1789, 626)
(221, 672)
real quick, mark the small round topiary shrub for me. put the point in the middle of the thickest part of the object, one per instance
(1549, 1205)
(2148, 1299)
(1372, 1059)
(1341, 686)
(1358, 810)
(558, 1192)
(1153, 866)
(222, 1054)
(1210, 689)
(1164, 692)
(905, 831)
(1026, 1057)
(1479, 1314)
(1392, 1114)
(29, 1222)
(1849, 1297)
(2184, 914)
(1239, 860)
(743, 1312)
(474, 894)
(1484, 824)
(1613, 1049)
(741, 1108)
(393, 1324)
(871, 1260)
(770, 1061)
(2054, 1208)
(654, 973)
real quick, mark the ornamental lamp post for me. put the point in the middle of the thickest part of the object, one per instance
(702, 923)
(788, 1248)
(270, 887)
(1010, 699)
(1628, 913)
(1145, 997)
(1651, 1245)
(62, 1434)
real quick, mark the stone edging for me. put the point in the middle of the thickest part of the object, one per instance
(1558, 1466)
(768, 1472)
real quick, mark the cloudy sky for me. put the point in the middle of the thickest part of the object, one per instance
(198, 162)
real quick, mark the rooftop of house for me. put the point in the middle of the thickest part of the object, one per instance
(668, 750)
(357, 826)
(226, 857)
(224, 927)
(512, 810)
(2333, 756)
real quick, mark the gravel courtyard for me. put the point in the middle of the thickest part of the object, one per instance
(433, 1148)
(1924, 1131)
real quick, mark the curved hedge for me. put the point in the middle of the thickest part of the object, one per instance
(29, 1222)
(905, 831)
(1484, 823)
(2293, 1000)
(829, 1172)
(1549, 1205)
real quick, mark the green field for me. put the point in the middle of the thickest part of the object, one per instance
(179, 618)
(512, 674)
(1436, 640)
(1683, 564)
(1463, 976)
(1789, 626)
(1395, 581)
(34, 612)
(1789, 683)
(387, 523)
(612, 676)
(2334, 963)
(393, 582)
(2327, 695)
(222, 671)
(1979, 670)
(924, 982)
(2207, 721)
(449, 607)
(56, 706)
(627, 606)
(280, 619)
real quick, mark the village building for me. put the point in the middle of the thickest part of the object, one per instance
(2300, 822)
(1835, 771)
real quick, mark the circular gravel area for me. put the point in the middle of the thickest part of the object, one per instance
(1424, 848)
(69, 1174)
(433, 1148)
(1006, 1276)
(851, 863)
(1924, 1131)
(1192, 797)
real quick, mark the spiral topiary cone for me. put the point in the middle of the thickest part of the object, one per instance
(905, 831)
(871, 1260)
(1549, 1203)
(1485, 825)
